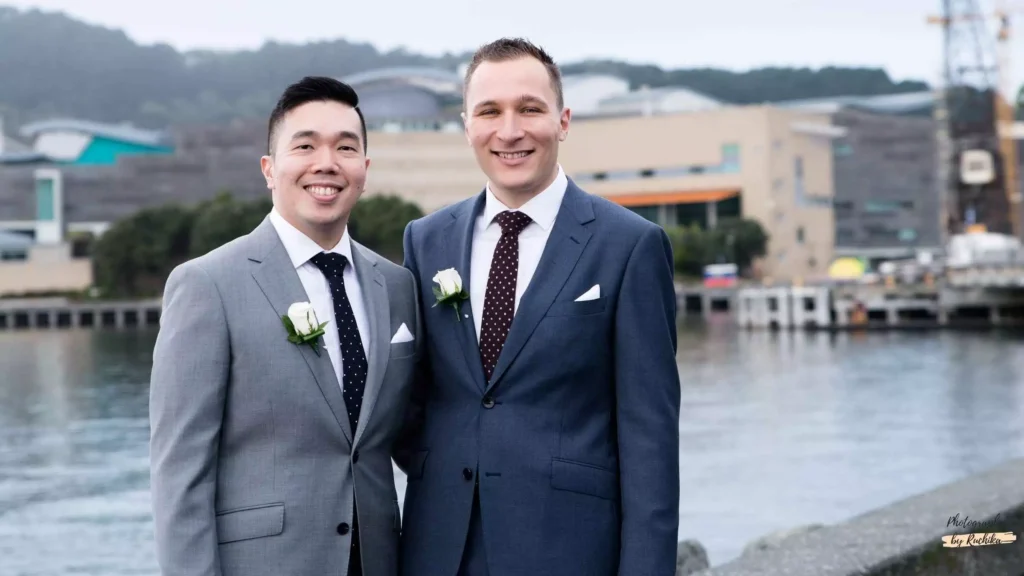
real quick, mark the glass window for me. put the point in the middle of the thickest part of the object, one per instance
(45, 209)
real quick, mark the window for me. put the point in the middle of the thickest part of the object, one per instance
(907, 234)
(731, 157)
(882, 206)
(841, 149)
(45, 209)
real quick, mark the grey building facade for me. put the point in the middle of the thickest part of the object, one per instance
(886, 196)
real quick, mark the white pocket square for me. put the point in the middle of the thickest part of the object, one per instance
(403, 335)
(593, 294)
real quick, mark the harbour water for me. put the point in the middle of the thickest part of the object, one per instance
(778, 430)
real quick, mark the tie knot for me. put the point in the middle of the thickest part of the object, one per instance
(512, 222)
(330, 263)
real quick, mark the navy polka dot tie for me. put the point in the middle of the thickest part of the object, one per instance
(500, 298)
(353, 357)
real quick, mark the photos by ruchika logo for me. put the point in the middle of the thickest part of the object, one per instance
(982, 538)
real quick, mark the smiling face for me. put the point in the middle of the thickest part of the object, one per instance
(514, 124)
(317, 168)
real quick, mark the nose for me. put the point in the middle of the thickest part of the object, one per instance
(325, 161)
(511, 129)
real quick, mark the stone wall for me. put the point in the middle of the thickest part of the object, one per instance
(905, 538)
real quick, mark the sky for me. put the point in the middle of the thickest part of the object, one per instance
(731, 34)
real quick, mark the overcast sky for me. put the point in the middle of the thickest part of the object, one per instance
(732, 34)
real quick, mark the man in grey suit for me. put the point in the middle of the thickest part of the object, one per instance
(544, 437)
(271, 442)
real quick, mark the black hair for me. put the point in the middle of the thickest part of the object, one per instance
(313, 89)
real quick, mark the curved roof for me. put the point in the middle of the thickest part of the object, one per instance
(437, 80)
(123, 132)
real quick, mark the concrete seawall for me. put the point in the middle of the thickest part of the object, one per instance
(906, 538)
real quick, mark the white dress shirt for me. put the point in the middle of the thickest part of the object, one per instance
(542, 210)
(301, 250)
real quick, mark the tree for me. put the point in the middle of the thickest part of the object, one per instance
(223, 219)
(134, 257)
(739, 241)
(379, 221)
(735, 240)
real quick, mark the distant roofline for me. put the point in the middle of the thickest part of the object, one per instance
(437, 80)
(122, 132)
(24, 158)
(891, 103)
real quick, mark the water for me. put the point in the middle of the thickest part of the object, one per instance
(777, 431)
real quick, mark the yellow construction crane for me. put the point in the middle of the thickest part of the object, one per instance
(1004, 96)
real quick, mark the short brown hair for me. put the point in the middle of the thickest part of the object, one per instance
(505, 49)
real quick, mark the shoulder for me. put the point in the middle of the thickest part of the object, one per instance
(439, 219)
(392, 272)
(215, 266)
(627, 226)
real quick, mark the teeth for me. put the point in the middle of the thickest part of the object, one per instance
(512, 155)
(322, 190)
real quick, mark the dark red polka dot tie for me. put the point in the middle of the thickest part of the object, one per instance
(500, 298)
(353, 357)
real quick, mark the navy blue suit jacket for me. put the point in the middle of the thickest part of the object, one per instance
(575, 439)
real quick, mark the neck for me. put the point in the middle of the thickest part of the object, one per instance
(515, 199)
(325, 236)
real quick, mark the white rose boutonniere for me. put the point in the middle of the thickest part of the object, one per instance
(302, 325)
(449, 290)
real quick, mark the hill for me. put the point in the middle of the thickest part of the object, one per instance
(54, 65)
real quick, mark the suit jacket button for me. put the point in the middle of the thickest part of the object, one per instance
(343, 528)
(467, 474)
(488, 402)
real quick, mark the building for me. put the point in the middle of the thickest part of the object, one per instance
(403, 99)
(887, 194)
(759, 162)
(656, 101)
(886, 164)
(84, 143)
(673, 156)
(583, 93)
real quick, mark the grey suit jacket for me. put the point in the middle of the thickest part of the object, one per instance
(253, 463)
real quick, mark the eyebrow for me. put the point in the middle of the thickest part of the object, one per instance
(524, 99)
(343, 135)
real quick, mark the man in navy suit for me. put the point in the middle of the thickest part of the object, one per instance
(543, 437)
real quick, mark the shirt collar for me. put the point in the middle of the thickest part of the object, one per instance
(300, 247)
(542, 208)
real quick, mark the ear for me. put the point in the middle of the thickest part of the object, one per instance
(267, 167)
(563, 123)
(465, 127)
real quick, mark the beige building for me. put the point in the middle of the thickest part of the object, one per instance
(759, 162)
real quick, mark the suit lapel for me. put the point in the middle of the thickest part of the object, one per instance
(279, 282)
(459, 249)
(565, 244)
(378, 312)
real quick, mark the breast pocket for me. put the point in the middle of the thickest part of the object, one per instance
(401, 350)
(573, 308)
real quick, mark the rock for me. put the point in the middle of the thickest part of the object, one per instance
(773, 539)
(691, 558)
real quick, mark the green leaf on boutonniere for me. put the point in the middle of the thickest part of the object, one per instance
(310, 339)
